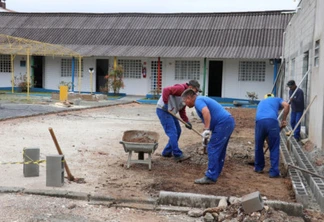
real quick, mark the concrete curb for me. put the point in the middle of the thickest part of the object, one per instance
(207, 201)
(167, 201)
(67, 110)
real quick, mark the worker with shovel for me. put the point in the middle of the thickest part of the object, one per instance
(170, 101)
(266, 125)
(219, 125)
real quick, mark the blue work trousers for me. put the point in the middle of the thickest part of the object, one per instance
(172, 129)
(294, 118)
(267, 128)
(217, 146)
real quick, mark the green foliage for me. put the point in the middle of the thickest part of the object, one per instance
(114, 80)
(63, 83)
(252, 96)
(21, 81)
(156, 93)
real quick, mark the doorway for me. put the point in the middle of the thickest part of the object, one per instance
(215, 78)
(102, 66)
(38, 71)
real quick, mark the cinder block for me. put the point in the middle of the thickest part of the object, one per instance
(31, 154)
(252, 202)
(54, 170)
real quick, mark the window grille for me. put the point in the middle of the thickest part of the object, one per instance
(154, 75)
(5, 63)
(316, 53)
(252, 71)
(66, 67)
(187, 70)
(132, 68)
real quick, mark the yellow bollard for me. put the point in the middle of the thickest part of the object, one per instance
(63, 93)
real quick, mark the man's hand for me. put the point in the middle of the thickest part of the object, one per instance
(165, 107)
(283, 124)
(206, 134)
(188, 125)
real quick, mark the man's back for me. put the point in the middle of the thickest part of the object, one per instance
(268, 108)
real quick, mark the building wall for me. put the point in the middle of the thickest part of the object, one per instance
(316, 112)
(233, 88)
(304, 29)
(5, 78)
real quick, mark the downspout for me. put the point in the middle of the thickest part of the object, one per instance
(205, 68)
(73, 64)
(275, 70)
(159, 75)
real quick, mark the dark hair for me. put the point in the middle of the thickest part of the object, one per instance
(291, 83)
(188, 93)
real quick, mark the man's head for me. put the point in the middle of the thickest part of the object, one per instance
(291, 84)
(189, 97)
(194, 84)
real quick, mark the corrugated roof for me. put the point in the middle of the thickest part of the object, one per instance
(211, 35)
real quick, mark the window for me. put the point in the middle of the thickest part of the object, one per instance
(5, 63)
(316, 53)
(132, 68)
(66, 67)
(187, 70)
(252, 71)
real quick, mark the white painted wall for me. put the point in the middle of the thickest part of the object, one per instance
(304, 29)
(316, 113)
(5, 78)
(232, 88)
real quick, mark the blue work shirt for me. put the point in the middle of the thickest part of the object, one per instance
(217, 112)
(297, 102)
(268, 108)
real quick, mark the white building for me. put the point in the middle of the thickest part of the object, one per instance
(303, 51)
(228, 53)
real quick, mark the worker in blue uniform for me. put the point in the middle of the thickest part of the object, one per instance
(267, 125)
(218, 126)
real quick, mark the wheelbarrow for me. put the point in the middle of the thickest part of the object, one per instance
(141, 142)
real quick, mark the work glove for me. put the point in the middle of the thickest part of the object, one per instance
(165, 107)
(188, 125)
(206, 134)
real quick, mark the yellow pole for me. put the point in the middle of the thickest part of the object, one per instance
(115, 62)
(79, 86)
(12, 57)
(28, 73)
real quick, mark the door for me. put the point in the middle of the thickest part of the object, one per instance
(101, 71)
(215, 78)
(38, 71)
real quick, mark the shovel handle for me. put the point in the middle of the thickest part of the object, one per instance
(70, 177)
(184, 122)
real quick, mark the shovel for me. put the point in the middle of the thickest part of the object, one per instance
(186, 124)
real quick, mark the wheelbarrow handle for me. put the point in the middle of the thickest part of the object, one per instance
(184, 122)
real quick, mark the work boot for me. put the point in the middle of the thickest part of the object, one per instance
(275, 176)
(181, 158)
(204, 180)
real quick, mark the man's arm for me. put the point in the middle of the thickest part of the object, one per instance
(206, 115)
(286, 108)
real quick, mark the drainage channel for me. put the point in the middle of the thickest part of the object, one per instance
(301, 180)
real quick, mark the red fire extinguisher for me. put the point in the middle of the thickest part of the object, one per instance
(144, 72)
